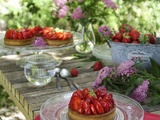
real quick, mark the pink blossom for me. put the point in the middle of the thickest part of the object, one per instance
(103, 73)
(140, 93)
(110, 4)
(80, 0)
(126, 68)
(39, 42)
(60, 3)
(77, 13)
(104, 31)
(63, 11)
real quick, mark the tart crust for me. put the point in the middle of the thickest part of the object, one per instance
(18, 42)
(58, 42)
(73, 115)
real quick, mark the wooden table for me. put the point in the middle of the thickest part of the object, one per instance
(29, 98)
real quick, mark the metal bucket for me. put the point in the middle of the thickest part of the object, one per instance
(124, 51)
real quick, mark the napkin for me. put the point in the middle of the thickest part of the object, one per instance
(151, 116)
(147, 116)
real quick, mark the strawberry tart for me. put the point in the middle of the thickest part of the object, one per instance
(57, 37)
(91, 105)
(20, 37)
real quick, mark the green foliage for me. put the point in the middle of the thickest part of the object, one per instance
(5, 100)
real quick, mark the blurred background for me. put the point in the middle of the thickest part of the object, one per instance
(144, 15)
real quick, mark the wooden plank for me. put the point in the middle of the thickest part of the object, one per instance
(20, 106)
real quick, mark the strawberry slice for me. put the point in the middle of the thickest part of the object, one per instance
(98, 106)
(86, 107)
(74, 103)
(93, 109)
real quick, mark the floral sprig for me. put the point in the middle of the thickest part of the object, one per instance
(132, 81)
(83, 11)
(39, 42)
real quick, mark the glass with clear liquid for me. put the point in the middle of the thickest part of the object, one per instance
(39, 70)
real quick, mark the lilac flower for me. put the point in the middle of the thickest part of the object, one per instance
(63, 11)
(39, 42)
(103, 73)
(60, 3)
(126, 68)
(140, 93)
(77, 14)
(104, 31)
(80, 0)
(110, 4)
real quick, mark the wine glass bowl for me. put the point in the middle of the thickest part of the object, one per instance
(39, 69)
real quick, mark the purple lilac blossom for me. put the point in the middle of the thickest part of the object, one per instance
(126, 68)
(80, 0)
(77, 13)
(110, 4)
(60, 3)
(63, 11)
(140, 93)
(103, 73)
(104, 31)
(39, 42)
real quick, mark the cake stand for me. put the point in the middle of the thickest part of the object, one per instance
(39, 51)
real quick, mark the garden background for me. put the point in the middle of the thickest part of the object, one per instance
(142, 14)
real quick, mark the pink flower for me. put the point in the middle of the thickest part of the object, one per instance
(126, 68)
(140, 93)
(63, 11)
(60, 3)
(110, 4)
(39, 42)
(80, 0)
(77, 13)
(103, 73)
(104, 31)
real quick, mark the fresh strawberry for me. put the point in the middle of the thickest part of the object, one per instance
(151, 38)
(93, 109)
(116, 40)
(134, 35)
(74, 103)
(74, 72)
(98, 106)
(118, 36)
(135, 42)
(86, 107)
(101, 91)
(125, 28)
(97, 66)
(81, 108)
(126, 39)
(85, 91)
(105, 105)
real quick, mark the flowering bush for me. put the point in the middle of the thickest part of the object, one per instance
(131, 80)
(83, 11)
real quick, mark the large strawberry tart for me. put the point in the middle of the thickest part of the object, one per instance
(91, 105)
(19, 37)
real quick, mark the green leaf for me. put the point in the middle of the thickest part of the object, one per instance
(155, 68)
(129, 90)
(155, 101)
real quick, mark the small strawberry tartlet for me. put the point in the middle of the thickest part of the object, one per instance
(57, 37)
(19, 37)
(92, 105)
